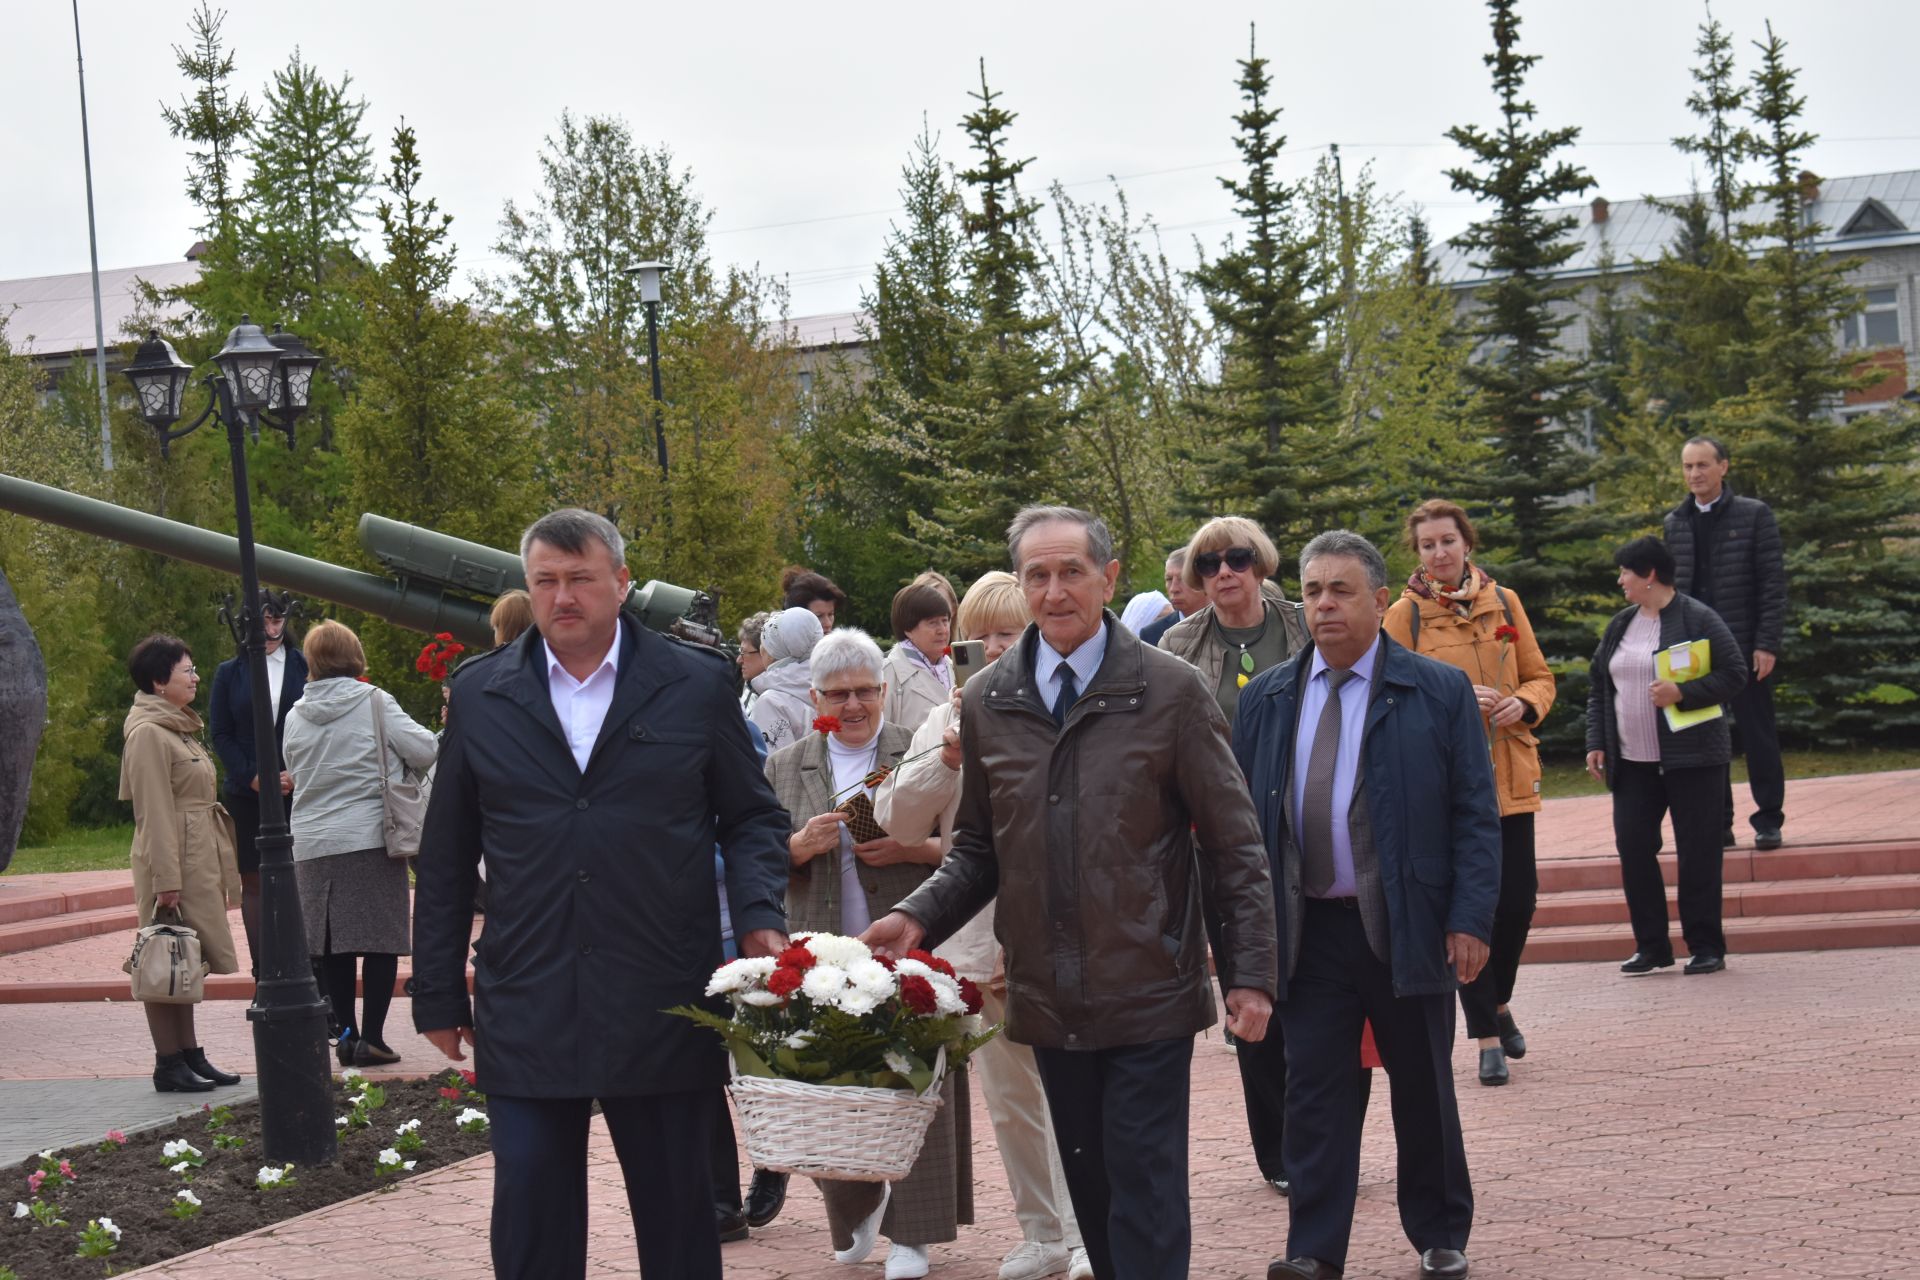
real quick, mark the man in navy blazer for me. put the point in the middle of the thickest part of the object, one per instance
(230, 719)
(595, 764)
(1369, 766)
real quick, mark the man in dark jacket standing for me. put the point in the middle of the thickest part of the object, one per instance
(1369, 767)
(1727, 555)
(230, 721)
(1089, 760)
(595, 764)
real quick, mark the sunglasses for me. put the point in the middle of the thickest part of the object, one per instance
(1238, 559)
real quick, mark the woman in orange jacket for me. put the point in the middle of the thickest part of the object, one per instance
(1454, 612)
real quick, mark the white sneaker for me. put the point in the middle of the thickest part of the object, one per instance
(1032, 1259)
(1081, 1269)
(867, 1232)
(907, 1262)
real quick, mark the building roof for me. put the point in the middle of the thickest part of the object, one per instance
(1868, 211)
(835, 329)
(53, 315)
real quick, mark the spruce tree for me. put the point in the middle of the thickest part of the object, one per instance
(1723, 143)
(212, 118)
(1842, 488)
(1270, 448)
(1531, 398)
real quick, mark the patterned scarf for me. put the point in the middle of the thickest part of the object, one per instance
(1461, 600)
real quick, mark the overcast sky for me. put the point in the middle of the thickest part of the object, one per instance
(795, 118)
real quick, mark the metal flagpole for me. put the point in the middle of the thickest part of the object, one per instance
(93, 247)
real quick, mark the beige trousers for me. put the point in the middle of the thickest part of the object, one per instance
(1010, 1079)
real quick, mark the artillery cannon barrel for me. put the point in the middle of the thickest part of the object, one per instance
(408, 603)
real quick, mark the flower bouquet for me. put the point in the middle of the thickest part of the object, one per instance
(838, 1056)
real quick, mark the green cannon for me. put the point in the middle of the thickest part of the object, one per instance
(439, 583)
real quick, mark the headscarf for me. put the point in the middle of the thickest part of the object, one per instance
(789, 636)
(1144, 608)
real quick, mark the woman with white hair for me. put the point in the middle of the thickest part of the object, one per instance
(784, 707)
(838, 885)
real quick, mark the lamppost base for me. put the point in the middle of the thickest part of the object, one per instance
(290, 1059)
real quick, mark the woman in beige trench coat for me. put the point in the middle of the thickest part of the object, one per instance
(183, 852)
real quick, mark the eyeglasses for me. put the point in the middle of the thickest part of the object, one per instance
(1238, 559)
(865, 693)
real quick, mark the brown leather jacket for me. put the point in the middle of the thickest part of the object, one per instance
(1086, 834)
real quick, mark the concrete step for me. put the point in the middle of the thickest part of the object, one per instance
(1745, 865)
(33, 902)
(1825, 931)
(1767, 898)
(48, 930)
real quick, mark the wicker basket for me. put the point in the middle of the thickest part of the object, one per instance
(835, 1131)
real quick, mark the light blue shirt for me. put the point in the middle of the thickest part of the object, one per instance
(1085, 661)
(1346, 767)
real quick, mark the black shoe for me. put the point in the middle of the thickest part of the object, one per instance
(766, 1195)
(1281, 1187)
(1640, 962)
(1727, 839)
(1448, 1263)
(171, 1074)
(1765, 839)
(1301, 1269)
(196, 1060)
(344, 1046)
(370, 1053)
(1493, 1065)
(1706, 962)
(732, 1224)
(1511, 1040)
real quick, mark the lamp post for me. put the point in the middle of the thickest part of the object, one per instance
(261, 380)
(649, 273)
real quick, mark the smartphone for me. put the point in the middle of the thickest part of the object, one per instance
(968, 657)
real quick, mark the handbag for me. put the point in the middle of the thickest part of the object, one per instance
(165, 965)
(403, 803)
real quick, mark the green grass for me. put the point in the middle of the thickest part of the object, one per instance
(105, 848)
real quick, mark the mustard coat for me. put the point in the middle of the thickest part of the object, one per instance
(1514, 667)
(182, 836)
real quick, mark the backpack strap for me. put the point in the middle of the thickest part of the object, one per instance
(1506, 605)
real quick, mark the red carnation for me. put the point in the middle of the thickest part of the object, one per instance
(826, 724)
(1506, 632)
(917, 993)
(885, 960)
(468, 1076)
(970, 992)
(797, 958)
(932, 962)
(784, 982)
(451, 1094)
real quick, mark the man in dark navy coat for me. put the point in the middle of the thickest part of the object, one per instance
(594, 764)
(1369, 767)
(230, 721)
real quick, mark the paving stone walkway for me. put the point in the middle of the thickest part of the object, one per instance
(37, 1114)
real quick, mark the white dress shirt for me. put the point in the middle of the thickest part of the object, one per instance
(1346, 766)
(582, 705)
(850, 765)
(276, 677)
(1084, 660)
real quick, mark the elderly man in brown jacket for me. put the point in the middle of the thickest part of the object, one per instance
(1090, 761)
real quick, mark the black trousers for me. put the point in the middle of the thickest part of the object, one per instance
(1512, 919)
(244, 808)
(1757, 737)
(724, 1157)
(1337, 983)
(540, 1183)
(1120, 1120)
(1643, 794)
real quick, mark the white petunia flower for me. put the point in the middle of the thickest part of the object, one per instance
(179, 1147)
(408, 1127)
(407, 1164)
(340, 1122)
(182, 1167)
(898, 1061)
(759, 999)
(389, 1156)
(872, 977)
(270, 1176)
(350, 1073)
(470, 1115)
(186, 1194)
(45, 1154)
(738, 975)
(21, 1211)
(106, 1225)
(823, 982)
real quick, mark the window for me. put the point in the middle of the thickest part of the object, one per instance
(1879, 324)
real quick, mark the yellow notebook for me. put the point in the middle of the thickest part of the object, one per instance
(1683, 662)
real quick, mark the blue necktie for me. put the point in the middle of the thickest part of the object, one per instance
(1068, 692)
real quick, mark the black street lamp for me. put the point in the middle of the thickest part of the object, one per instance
(649, 273)
(261, 379)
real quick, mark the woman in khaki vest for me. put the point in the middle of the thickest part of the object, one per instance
(1453, 612)
(183, 853)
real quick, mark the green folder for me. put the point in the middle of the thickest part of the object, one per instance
(1683, 662)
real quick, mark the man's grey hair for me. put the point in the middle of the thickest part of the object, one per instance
(1099, 537)
(570, 529)
(845, 651)
(1345, 542)
(1177, 558)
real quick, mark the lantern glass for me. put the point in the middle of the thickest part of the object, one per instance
(649, 273)
(248, 362)
(159, 378)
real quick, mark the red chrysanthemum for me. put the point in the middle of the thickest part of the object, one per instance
(970, 993)
(797, 957)
(826, 724)
(784, 982)
(917, 994)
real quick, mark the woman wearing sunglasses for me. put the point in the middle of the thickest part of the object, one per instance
(1452, 611)
(1247, 625)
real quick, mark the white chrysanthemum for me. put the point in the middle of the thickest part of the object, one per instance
(833, 949)
(946, 995)
(856, 1002)
(759, 999)
(186, 1194)
(800, 1039)
(898, 1061)
(973, 1024)
(872, 977)
(738, 975)
(912, 969)
(823, 983)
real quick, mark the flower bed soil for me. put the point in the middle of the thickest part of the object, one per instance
(133, 1186)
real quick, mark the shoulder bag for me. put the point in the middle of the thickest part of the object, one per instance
(166, 966)
(403, 803)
